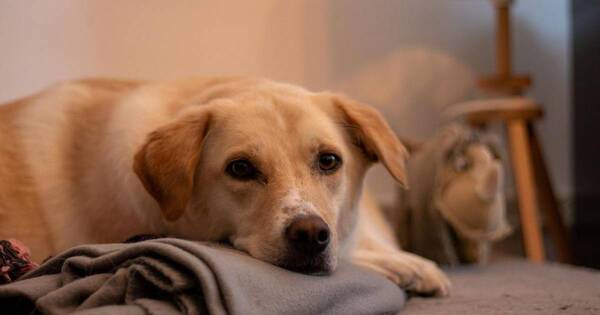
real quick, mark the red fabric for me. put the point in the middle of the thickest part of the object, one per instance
(15, 260)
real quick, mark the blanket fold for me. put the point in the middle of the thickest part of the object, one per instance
(173, 276)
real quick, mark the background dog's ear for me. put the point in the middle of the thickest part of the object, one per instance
(372, 133)
(167, 162)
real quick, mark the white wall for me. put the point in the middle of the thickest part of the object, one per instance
(45, 41)
(543, 48)
(319, 44)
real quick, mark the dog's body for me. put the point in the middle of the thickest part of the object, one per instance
(254, 162)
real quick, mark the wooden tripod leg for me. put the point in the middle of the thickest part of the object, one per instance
(548, 202)
(520, 151)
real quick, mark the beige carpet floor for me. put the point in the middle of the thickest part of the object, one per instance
(516, 287)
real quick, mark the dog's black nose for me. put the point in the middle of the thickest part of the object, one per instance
(308, 235)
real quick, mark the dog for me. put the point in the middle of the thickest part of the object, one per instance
(270, 167)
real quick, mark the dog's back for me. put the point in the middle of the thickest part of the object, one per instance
(18, 194)
(41, 141)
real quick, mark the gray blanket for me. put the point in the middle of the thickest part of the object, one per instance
(172, 276)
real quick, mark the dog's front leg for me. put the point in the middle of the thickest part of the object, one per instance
(377, 250)
(412, 273)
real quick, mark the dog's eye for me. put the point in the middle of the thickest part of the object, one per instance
(461, 164)
(329, 162)
(242, 170)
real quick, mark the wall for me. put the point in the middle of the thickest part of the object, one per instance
(58, 40)
(319, 44)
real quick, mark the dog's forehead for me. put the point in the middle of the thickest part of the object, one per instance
(279, 117)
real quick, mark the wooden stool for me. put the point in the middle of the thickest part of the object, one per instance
(532, 181)
(517, 114)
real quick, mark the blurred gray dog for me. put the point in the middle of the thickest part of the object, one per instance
(455, 208)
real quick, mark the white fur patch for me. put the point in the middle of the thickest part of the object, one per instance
(294, 204)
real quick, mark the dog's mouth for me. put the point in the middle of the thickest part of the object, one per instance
(322, 263)
(314, 265)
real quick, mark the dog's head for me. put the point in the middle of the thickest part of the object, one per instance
(274, 169)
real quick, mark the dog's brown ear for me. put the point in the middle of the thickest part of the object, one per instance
(166, 163)
(372, 133)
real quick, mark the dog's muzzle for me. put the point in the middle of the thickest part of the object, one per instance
(308, 238)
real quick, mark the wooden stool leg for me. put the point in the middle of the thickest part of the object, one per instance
(548, 202)
(523, 172)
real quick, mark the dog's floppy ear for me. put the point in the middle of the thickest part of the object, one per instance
(372, 133)
(167, 162)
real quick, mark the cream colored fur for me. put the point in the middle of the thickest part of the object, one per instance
(101, 160)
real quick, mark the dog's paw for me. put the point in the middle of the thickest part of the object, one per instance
(412, 273)
(426, 278)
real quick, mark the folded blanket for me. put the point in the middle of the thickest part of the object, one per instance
(173, 276)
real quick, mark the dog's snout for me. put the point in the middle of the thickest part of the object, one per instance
(308, 234)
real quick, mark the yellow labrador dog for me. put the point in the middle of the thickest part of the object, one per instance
(272, 168)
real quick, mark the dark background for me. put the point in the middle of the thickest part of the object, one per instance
(586, 115)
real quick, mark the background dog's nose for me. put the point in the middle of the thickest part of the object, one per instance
(308, 234)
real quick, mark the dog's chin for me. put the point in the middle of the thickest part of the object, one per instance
(321, 264)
